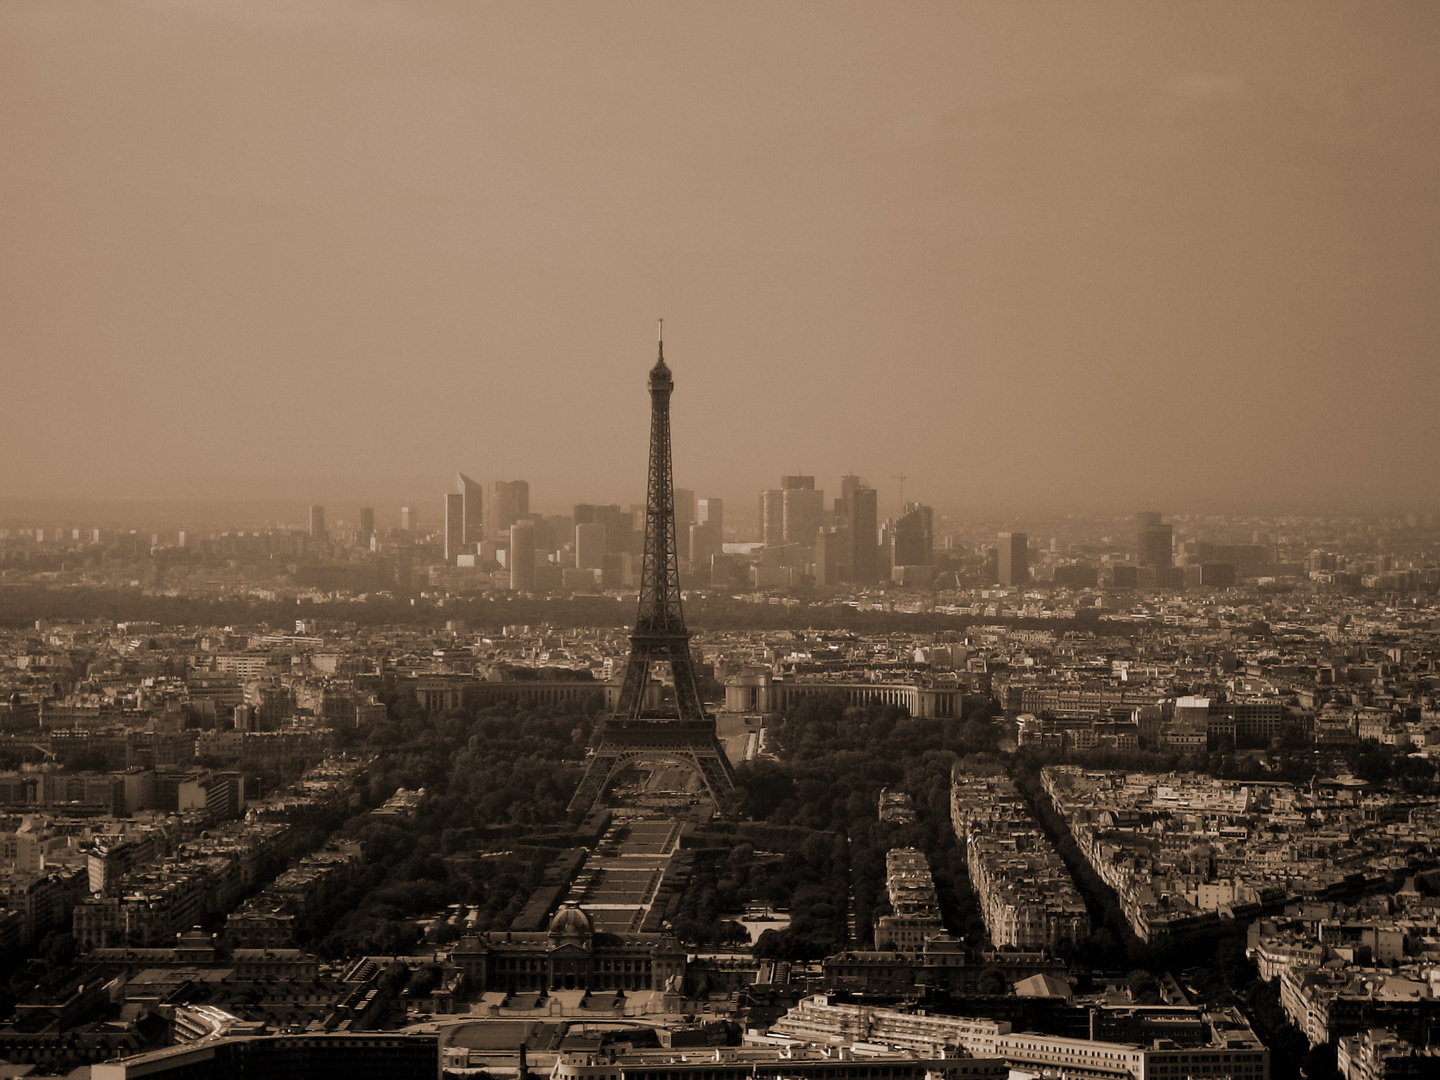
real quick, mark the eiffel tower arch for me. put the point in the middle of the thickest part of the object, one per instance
(684, 733)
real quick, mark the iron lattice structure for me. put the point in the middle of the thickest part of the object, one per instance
(633, 732)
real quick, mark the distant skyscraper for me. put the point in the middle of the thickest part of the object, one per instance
(702, 544)
(521, 557)
(832, 547)
(802, 512)
(367, 525)
(1154, 540)
(619, 525)
(407, 519)
(793, 513)
(1014, 558)
(454, 527)
(857, 514)
(590, 545)
(706, 536)
(474, 516)
(317, 524)
(711, 512)
(509, 502)
(684, 510)
(772, 517)
(913, 541)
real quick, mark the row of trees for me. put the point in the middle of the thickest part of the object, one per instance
(813, 839)
(490, 777)
(21, 605)
(834, 760)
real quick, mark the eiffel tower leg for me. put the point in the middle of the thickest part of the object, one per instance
(688, 705)
(598, 771)
(715, 782)
(632, 690)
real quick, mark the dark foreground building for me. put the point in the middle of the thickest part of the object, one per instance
(286, 1057)
(571, 955)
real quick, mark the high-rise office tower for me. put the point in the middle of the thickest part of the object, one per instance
(864, 536)
(317, 524)
(772, 517)
(857, 513)
(474, 516)
(684, 510)
(619, 525)
(407, 519)
(913, 538)
(711, 512)
(550, 533)
(509, 502)
(792, 513)
(454, 527)
(832, 547)
(706, 537)
(367, 525)
(521, 557)
(702, 544)
(1154, 540)
(802, 510)
(1014, 558)
(590, 545)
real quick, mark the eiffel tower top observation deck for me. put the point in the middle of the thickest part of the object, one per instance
(634, 732)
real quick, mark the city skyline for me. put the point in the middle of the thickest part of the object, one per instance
(1104, 256)
(743, 525)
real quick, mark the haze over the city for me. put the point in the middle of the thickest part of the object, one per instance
(1090, 255)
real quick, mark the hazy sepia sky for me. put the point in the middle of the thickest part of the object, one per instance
(1128, 253)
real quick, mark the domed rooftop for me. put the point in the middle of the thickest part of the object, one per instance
(571, 921)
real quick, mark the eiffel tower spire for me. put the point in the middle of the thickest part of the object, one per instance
(686, 734)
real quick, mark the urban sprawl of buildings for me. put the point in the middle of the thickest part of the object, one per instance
(175, 797)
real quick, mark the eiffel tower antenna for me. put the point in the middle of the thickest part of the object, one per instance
(634, 731)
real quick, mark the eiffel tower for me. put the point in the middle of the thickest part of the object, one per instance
(634, 732)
